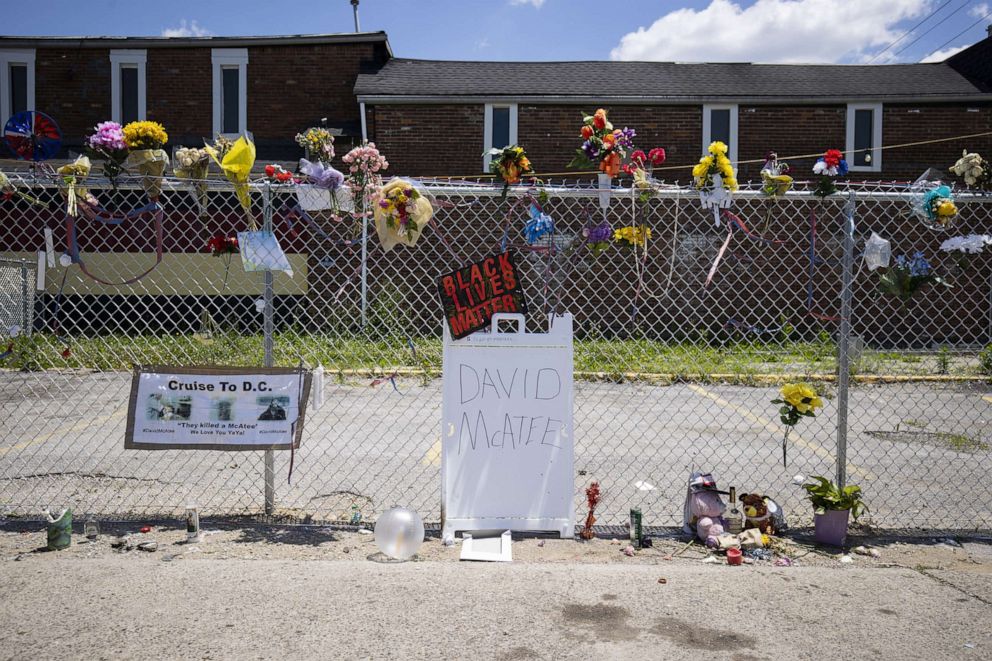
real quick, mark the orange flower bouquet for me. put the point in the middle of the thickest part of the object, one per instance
(603, 147)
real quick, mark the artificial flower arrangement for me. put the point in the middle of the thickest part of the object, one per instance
(70, 177)
(796, 400)
(225, 247)
(365, 166)
(938, 206)
(827, 168)
(510, 163)
(277, 173)
(973, 244)
(633, 235)
(775, 179)
(191, 163)
(715, 179)
(592, 500)
(641, 167)
(907, 276)
(318, 143)
(604, 147)
(975, 170)
(538, 225)
(236, 159)
(145, 142)
(107, 143)
(323, 189)
(401, 212)
(597, 235)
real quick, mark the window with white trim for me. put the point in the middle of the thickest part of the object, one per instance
(500, 127)
(128, 94)
(720, 123)
(230, 90)
(16, 82)
(864, 137)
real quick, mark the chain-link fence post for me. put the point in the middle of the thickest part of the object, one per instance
(268, 330)
(25, 328)
(365, 266)
(843, 355)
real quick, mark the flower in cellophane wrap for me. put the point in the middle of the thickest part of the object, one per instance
(107, 143)
(236, 165)
(715, 179)
(7, 191)
(318, 143)
(192, 163)
(325, 189)
(975, 170)
(775, 179)
(145, 141)
(401, 212)
(828, 167)
(932, 202)
(70, 176)
(538, 225)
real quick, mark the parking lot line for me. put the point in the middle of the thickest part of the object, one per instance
(433, 456)
(61, 431)
(794, 438)
(988, 398)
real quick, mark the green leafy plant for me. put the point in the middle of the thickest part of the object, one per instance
(826, 496)
(985, 360)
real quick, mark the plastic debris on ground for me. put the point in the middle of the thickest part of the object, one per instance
(846, 559)
(628, 551)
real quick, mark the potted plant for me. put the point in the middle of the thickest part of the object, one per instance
(831, 509)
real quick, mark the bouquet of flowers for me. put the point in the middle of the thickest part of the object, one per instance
(641, 167)
(715, 169)
(633, 235)
(220, 245)
(318, 143)
(236, 164)
(938, 206)
(597, 235)
(827, 168)
(775, 179)
(222, 145)
(907, 276)
(325, 190)
(70, 175)
(192, 163)
(145, 141)
(796, 400)
(107, 143)
(400, 214)
(8, 191)
(975, 170)
(603, 147)
(973, 244)
(365, 165)
(277, 173)
(509, 163)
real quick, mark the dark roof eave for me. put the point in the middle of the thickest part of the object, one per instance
(372, 99)
(194, 42)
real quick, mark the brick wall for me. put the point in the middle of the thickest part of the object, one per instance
(417, 139)
(289, 88)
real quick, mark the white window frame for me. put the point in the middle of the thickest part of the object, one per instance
(118, 59)
(876, 137)
(8, 57)
(488, 128)
(707, 128)
(223, 58)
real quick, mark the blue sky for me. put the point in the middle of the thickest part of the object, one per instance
(697, 30)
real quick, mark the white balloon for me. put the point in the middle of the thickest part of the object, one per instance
(65, 261)
(799, 479)
(399, 533)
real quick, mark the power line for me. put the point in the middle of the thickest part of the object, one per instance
(909, 31)
(933, 28)
(957, 35)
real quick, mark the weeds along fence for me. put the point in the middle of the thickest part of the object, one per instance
(671, 373)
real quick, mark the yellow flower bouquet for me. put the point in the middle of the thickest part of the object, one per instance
(401, 213)
(236, 165)
(145, 142)
(634, 235)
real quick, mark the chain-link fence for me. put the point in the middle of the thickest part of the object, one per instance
(672, 374)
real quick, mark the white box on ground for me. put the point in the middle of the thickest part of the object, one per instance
(506, 431)
(489, 548)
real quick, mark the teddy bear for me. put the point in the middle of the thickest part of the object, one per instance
(757, 514)
(706, 509)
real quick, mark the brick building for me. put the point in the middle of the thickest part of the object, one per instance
(461, 109)
(196, 87)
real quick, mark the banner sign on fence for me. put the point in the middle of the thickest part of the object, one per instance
(507, 435)
(472, 294)
(216, 408)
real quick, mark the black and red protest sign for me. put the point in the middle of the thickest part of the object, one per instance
(472, 294)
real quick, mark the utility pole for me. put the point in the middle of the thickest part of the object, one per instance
(354, 7)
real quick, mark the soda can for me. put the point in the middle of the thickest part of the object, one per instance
(636, 531)
(192, 523)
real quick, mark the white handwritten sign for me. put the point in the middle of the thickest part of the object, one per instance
(216, 408)
(507, 438)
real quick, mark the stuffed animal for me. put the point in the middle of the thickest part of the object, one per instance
(706, 509)
(756, 514)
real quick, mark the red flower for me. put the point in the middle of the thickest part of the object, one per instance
(270, 170)
(586, 131)
(66, 352)
(284, 176)
(657, 156)
(832, 157)
(638, 157)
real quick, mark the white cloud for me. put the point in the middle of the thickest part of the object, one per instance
(941, 55)
(192, 29)
(482, 44)
(793, 31)
(980, 10)
(536, 3)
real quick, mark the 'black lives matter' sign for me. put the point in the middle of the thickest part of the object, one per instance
(472, 294)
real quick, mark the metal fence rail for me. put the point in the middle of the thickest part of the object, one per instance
(671, 374)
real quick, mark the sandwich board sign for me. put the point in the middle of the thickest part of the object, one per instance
(506, 429)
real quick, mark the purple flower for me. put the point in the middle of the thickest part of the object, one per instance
(590, 149)
(383, 204)
(323, 175)
(626, 137)
(599, 233)
(108, 136)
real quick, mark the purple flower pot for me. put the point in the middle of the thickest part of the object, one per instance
(831, 527)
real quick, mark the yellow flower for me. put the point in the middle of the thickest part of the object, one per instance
(145, 135)
(946, 209)
(717, 147)
(730, 183)
(800, 396)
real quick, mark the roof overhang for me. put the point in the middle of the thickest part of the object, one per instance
(195, 42)
(385, 99)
